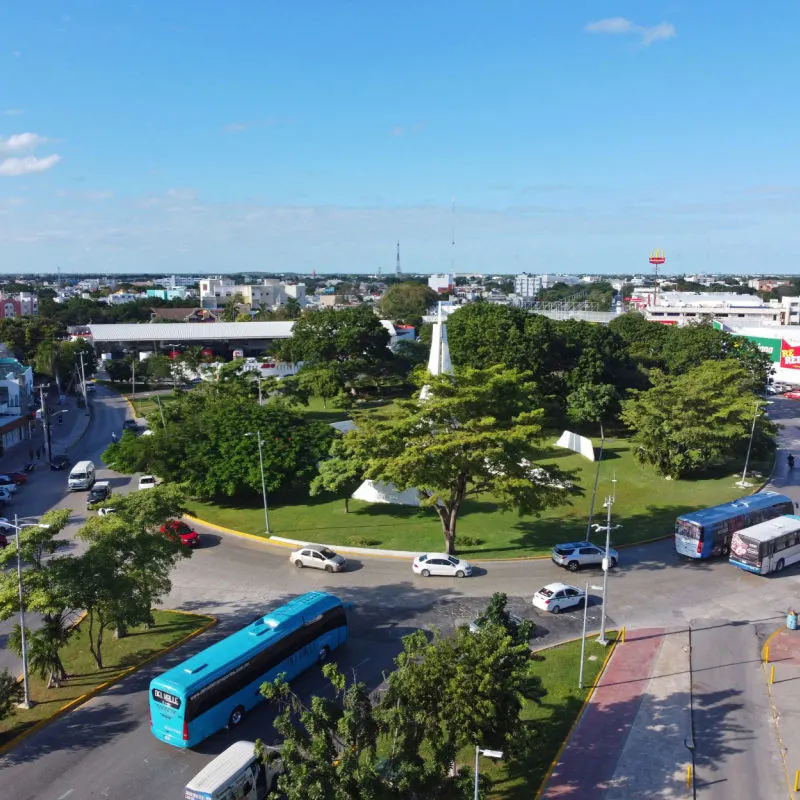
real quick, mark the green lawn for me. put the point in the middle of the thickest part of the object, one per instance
(146, 405)
(118, 656)
(551, 718)
(646, 506)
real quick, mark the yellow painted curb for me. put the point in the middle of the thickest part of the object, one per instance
(589, 696)
(130, 404)
(78, 701)
(774, 710)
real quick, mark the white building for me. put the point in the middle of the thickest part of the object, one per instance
(441, 284)
(526, 285)
(682, 308)
(216, 291)
(120, 298)
(297, 291)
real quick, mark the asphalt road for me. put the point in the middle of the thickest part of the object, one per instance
(736, 746)
(104, 749)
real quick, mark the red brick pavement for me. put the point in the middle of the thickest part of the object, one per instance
(591, 755)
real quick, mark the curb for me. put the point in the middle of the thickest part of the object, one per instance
(774, 709)
(578, 718)
(84, 698)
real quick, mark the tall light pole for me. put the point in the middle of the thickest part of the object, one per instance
(596, 478)
(750, 444)
(479, 751)
(26, 703)
(583, 638)
(606, 562)
(263, 481)
(83, 384)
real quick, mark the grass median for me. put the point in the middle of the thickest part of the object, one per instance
(119, 656)
(646, 507)
(551, 718)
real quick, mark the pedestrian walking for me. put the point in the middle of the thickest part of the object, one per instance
(790, 459)
(114, 438)
(30, 454)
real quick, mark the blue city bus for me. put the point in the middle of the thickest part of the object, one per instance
(707, 533)
(216, 687)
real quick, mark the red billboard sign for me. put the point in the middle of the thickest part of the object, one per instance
(790, 355)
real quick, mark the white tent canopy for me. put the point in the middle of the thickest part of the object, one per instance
(377, 492)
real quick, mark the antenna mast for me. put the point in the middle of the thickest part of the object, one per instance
(453, 240)
(397, 271)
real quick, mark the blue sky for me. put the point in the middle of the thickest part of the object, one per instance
(572, 135)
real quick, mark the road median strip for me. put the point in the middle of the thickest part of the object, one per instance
(111, 680)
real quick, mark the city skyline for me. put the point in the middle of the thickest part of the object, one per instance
(559, 138)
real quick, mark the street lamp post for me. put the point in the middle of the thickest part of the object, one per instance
(742, 482)
(26, 703)
(263, 481)
(606, 563)
(583, 638)
(478, 752)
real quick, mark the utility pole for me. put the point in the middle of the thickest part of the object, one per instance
(606, 566)
(26, 703)
(83, 384)
(161, 411)
(45, 424)
(133, 377)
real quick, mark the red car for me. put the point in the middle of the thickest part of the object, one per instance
(19, 477)
(176, 528)
(793, 395)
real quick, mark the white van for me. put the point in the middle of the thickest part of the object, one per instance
(82, 476)
(236, 774)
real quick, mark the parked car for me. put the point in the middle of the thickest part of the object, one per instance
(147, 481)
(794, 394)
(103, 512)
(19, 478)
(317, 556)
(6, 526)
(5, 493)
(5, 480)
(99, 492)
(441, 564)
(130, 425)
(176, 528)
(59, 461)
(575, 555)
(555, 597)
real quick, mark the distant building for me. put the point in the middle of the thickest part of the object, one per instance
(766, 284)
(216, 291)
(121, 298)
(172, 293)
(441, 284)
(24, 304)
(526, 285)
(682, 308)
(297, 291)
(16, 400)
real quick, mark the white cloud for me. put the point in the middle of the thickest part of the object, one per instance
(12, 167)
(21, 143)
(615, 26)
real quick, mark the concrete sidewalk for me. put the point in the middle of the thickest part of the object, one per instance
(64, 435)
(631, 740)
(782, 649)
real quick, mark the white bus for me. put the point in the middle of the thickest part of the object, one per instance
(767, 547)
(236, 774)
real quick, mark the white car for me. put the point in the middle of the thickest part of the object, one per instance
(441, 564)
(102, 512)
(555, 597)
(6, 526)
(317, 556)
(6, 494)
(147, 481)
(575, 555)
(7, 483)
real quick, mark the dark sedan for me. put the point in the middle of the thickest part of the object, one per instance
(59, 461)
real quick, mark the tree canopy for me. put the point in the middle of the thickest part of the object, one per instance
(407, 302)
(693, 422)
(477, 433)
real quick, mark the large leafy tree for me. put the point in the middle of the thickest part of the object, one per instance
(477, 433)
(407, 302)
(10, 693)
(352, 338)
(43, 589)
(695, 421)
(126, 568)
(204, 445)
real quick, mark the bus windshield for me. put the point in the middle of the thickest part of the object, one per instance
(691, 530)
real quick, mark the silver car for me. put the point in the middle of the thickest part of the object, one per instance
(319, 557)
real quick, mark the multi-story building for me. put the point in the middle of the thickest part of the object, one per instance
(16, 400)
(526, 285)
(441, 284)
(23, 304)
(297, 291)
(171, 293)
(216, 291)
(682, 308)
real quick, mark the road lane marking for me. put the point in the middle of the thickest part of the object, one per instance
(66, 794)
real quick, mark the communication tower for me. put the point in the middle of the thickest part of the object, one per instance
(397, 271)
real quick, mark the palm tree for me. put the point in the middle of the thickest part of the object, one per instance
(44, 646)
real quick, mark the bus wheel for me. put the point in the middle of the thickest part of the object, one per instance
(323, 654)
(236, 717)
(780, 565)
